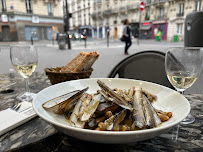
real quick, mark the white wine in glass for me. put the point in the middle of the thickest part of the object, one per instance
(183, 65)
(24, 60)
(181, 80)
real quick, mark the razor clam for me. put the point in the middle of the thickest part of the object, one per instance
(54, 103)
(120, 117)
(150, 96)
(91, 108)
(103, 106)
(123, 94)
(74, 118)
(112, 122)
(109, 98)
(65, 106)
(131, 92)
(107, 124)
(116, 98)
(150, 122)
(111, 108)
(105, 95)
(138, 113)
(85, 103)
(103, 99)
(155, 116)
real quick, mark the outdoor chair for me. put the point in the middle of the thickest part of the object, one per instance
(148, 66)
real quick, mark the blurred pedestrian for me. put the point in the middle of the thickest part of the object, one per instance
(126, 33)
(57, 36)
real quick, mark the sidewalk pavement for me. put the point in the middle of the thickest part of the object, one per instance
(90, 41)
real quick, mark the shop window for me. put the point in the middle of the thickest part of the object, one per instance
(28, 6)
(3, 4)
(180, 9)
(179, 28)
(197, 5)
(50, 9)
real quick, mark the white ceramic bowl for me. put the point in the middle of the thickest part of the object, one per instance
(168, 100)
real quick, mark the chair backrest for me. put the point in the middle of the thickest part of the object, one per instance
(147, 66)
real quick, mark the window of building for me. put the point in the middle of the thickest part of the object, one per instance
(28, 4)
(50, 8)
(179, 28)
(147, 15)
(101, 23)
(181, 9)
(148, 1)
(161, 12)
(122, 2)
(197, 5)
(99, 9)
(3, 3)
(107, 21)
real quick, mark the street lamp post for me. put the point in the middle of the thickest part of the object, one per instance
(66, 16)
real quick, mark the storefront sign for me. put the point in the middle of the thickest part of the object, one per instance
(4, 18)
(146, 26)
(159, 22)
(35, 19)
(146, 23)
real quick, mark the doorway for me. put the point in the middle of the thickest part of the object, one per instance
(115, 32)
(5, 33)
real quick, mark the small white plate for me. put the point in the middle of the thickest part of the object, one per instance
(167, 100)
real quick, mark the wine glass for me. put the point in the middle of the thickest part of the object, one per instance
(183, 65)
(24, 60)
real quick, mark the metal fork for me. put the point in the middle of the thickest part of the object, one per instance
(15, 107)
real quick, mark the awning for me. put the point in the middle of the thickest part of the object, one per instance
(145, 27)
(85, 27)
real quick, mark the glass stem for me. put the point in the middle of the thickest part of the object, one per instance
(181, 92)
(27, 84)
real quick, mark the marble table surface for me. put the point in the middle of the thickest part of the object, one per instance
(37, 135)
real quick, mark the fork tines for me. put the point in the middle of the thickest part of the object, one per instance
(16, 106)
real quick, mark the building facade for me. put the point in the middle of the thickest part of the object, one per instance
(23, 19)
(81, 20)
(166, 16)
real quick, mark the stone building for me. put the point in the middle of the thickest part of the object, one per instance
(81, 20)
(166, 16)
(21, 19)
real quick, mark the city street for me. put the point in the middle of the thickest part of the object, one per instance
(50, 55)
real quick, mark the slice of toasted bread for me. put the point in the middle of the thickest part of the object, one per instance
(81, 62)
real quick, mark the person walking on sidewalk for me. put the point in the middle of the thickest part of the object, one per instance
(126, 33)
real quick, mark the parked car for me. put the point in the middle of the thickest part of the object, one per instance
(75, 36)
(78, 36)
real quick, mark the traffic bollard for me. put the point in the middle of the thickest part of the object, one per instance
(85, 37)
(107, 35)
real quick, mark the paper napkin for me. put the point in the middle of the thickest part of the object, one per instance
(10, 119)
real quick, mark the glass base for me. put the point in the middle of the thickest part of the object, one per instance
(27, 96)
(188, 120)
